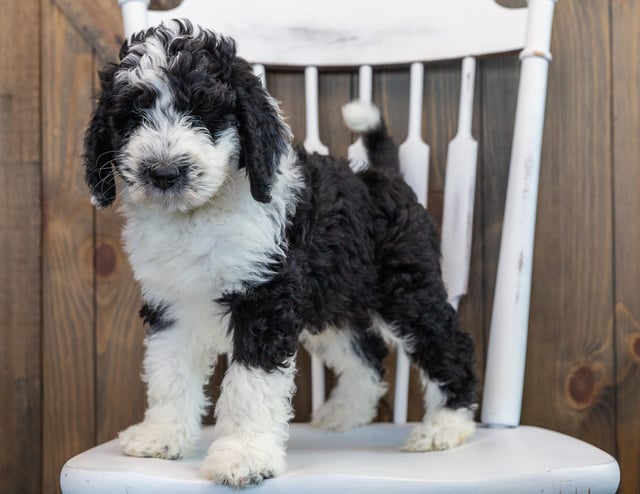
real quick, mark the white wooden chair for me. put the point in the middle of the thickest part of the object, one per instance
(502, 457)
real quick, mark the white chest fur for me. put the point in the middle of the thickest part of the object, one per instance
(214, 249)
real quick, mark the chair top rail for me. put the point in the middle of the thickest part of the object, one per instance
(338, 33)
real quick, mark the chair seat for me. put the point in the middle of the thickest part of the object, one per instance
(368, 460)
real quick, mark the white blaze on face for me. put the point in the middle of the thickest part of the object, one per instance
(167, 138)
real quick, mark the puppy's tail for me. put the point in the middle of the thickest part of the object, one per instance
(365, 119)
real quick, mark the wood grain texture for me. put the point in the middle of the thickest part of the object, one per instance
(68, 275)
(99, 22)
(288, 89)
(335, 89)
(20, 246)
(120, 393)
(569, 380)
(625, 48)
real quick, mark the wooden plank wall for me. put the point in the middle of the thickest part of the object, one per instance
(625, 62)
(71, 340)
(20, 247)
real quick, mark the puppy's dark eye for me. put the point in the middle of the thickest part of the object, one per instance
(124, 124)
(227, 121)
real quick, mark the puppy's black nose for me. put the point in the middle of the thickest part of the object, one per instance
(164, 177)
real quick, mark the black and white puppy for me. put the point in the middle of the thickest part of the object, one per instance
(244, 245)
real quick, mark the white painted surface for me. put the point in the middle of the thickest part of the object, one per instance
(356, 152)
(414, 165)
(368, 460)
(312, 142)
(414, 152)
(317, 383)
(504, 376)
(401, 388)
(260, 71)
(459, 193)
(134, 15)
(299, 34)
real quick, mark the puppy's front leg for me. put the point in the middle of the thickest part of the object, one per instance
(180, 353)
(252, 414)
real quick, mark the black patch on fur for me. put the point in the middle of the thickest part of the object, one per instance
(358, 244)
(369, 346)
(200, 76)
(264, 322)
(263, 136)
(98, 144)
(155, 317)
(381, 150)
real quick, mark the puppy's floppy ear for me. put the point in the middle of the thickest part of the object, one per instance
(264, 137)
(98, 147)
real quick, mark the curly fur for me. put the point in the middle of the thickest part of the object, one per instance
(245, 245)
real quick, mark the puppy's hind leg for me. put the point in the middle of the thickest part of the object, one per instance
(442, 427)
(356, 358)
(445, 358)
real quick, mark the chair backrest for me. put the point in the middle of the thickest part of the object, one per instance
(284, 33)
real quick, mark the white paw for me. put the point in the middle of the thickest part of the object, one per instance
(353, 402)
(156, 440)
(239, 461)
(336, 415)
(444, 429)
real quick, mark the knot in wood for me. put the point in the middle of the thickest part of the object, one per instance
(106, 260)
(633, 346)
(582, 386)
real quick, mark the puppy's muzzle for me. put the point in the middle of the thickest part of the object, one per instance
(164, 178)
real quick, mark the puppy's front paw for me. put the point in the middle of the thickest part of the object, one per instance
(445, 429)
(149, 439)
(238, 461)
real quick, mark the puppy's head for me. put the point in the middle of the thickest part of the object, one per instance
(176, 117)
